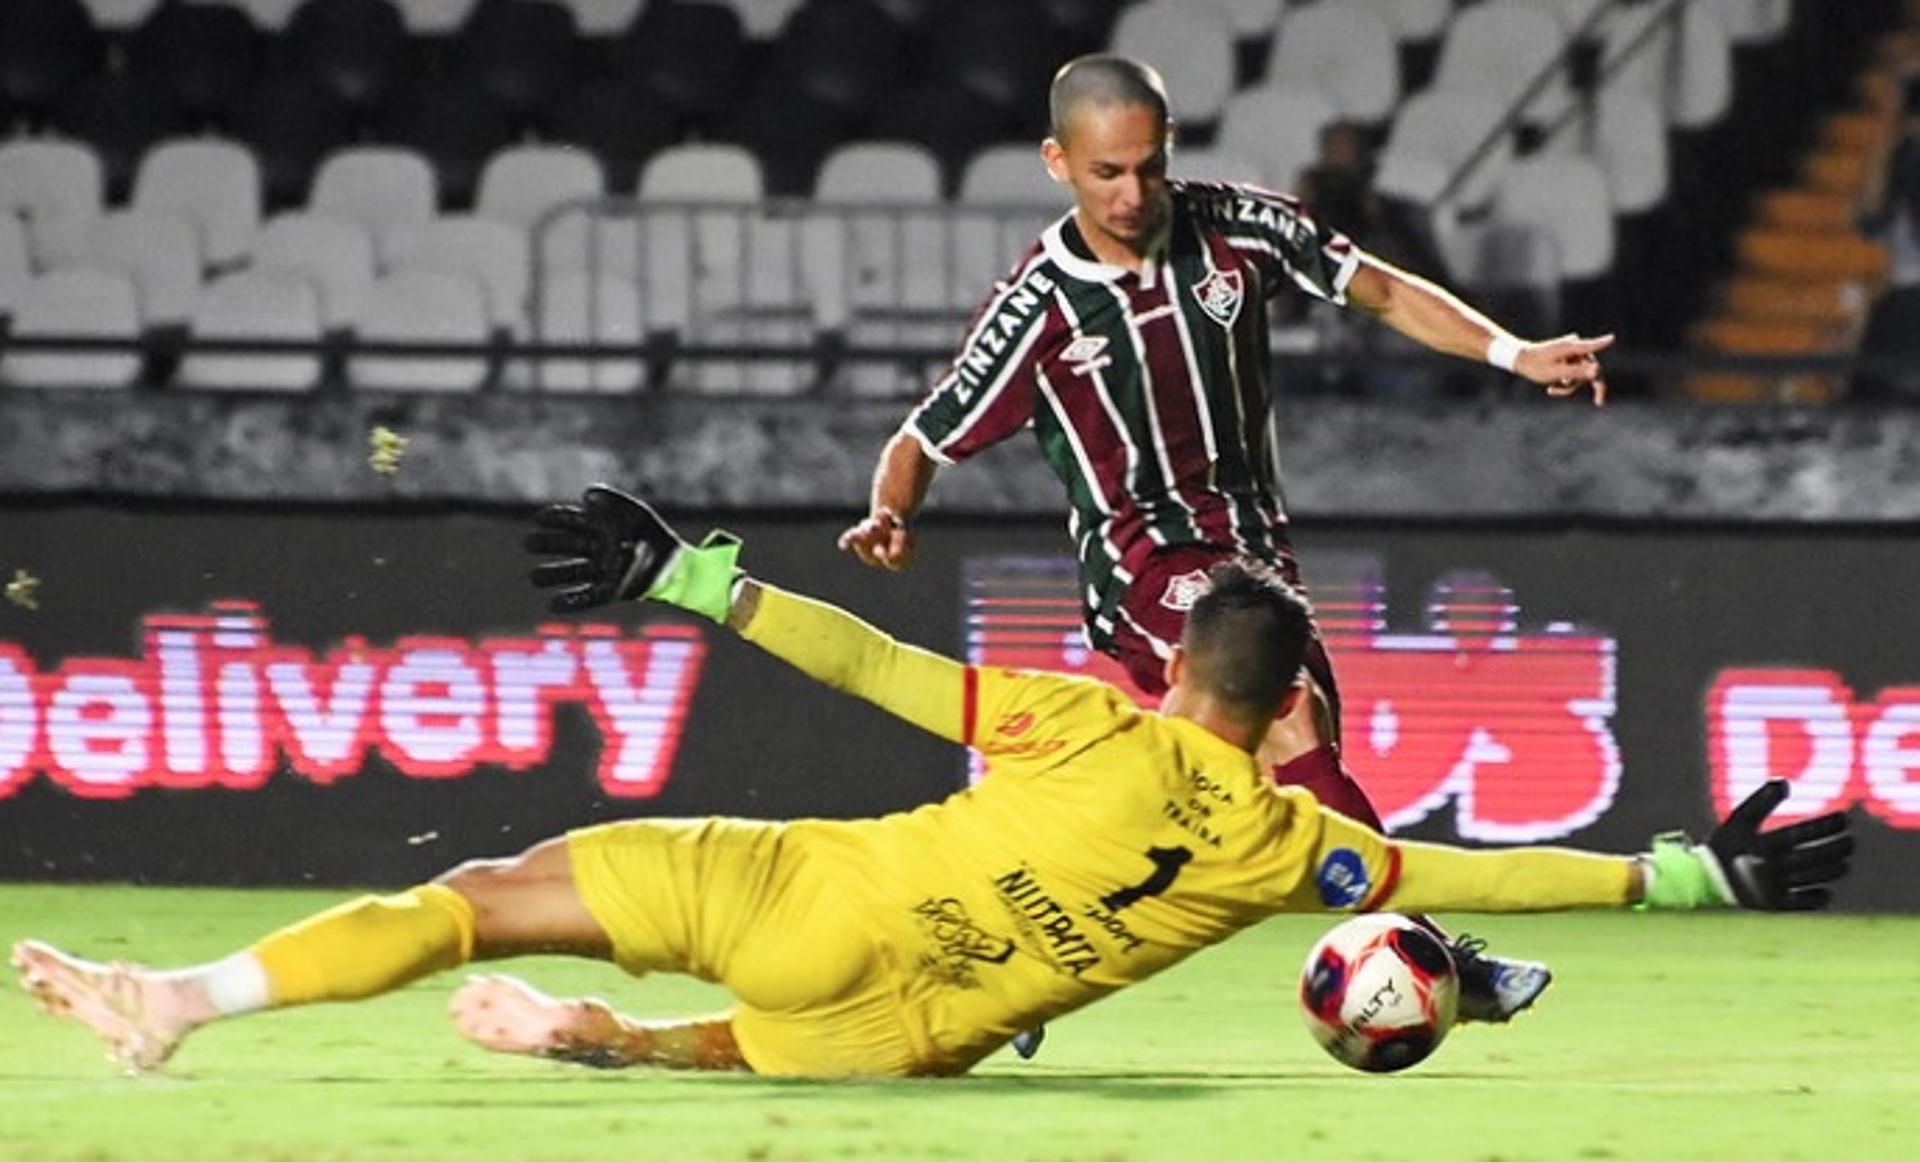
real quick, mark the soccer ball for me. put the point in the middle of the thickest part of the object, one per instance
(1379, 992)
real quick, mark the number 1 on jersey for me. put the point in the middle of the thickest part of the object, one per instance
(1167, 862)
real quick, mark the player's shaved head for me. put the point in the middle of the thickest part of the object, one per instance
(1102, 81)
(1246, 635)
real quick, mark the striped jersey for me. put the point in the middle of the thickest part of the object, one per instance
(1147, 390)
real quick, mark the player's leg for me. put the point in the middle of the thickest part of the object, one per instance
(1302, 749)
(358, 949)
(508, 1015)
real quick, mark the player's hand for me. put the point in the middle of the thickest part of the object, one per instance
(1565, 365)
(881, 540)
(614, 547)
(1786, 869)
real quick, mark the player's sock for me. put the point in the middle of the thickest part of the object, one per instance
(1321, 771)
(235, 985)
(367, 946)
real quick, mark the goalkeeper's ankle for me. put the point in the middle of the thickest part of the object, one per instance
(700, 578)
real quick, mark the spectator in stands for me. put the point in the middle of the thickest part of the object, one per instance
(1891, 215)
(1131, 338)
(1338, 189)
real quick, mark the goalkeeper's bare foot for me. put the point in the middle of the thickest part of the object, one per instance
(508, 1015)
(141, 1017)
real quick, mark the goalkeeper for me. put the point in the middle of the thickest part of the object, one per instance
(1110, 844)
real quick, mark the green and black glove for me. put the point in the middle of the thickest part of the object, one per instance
(614, 547)
(1783, 870)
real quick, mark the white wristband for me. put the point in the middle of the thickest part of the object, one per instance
(1504, 351)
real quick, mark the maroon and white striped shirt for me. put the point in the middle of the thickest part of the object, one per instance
(1148, 390)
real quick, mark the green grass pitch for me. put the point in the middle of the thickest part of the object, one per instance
(1664, 1037)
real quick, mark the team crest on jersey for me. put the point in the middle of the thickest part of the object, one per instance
(1219, 295)
(1087, 354)
(1184, 590)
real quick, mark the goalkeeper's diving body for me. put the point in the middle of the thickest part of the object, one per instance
(1108, 844)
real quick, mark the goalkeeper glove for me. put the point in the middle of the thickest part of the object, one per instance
(1783, 870)
(614, 547)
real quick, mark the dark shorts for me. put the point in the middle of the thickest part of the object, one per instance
(1155, 608)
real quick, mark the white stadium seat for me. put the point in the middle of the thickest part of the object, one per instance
(1565, 197)
(1192, 47)
(1753, 21)
(1413, 20)
(251, 304)
(213, 184)
(1498, 49)
(605, 17)
(1345, 52)
(335, 254)
(1013, 199)
(582, 308)
(379, 186)
(422, 307)
(59, 188)
(1690, 75)
(1217, 165)
(1279, 129)
(16, 263)
(95, 304)
(159, 252)
(120, 15)
(494, 253)
(523, 182)
(1445, 129)
(436, 17)
(1630, 145)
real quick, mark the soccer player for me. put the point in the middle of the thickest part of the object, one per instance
(1132, 338)
(1109, 844)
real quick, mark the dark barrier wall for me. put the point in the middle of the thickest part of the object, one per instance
(370, 695)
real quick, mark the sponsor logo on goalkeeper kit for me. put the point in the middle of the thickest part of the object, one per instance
(214, 701)
(1342, 878)
(960, 946)
(1047, 924)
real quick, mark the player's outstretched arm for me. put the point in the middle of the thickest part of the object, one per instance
(1788, 868)
(614, 547)
(1437, 318)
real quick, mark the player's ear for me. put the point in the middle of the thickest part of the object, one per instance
(1055, 156)
(1176, 667)
(1290, 701)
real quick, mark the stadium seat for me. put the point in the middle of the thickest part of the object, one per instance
(1630, 144)
(16, 263)
(1345, 52)
(1192, 48)
(1006, 199)
(96, 304)
(213, 184)
(58, 188)
(46, 48)
(292, 123)
(492, 253)
(438, 18)
(205, 54)
(1217, 165)
(122, 117)
(422, 307)
(159, 252)
(252, 304)
(582, 308)
(883, 273)
(1498, 49)
(268, 15)
(522, 183)
(997, 52)
(587, 240)
(524, 52)
(1691, 76)
(454, 124)
(357, 49)
(843, 54)
(1753, 22)
(1249, 19)
(1276, 129)
(1414, 20)
(605, 18)
(1512, 270)
(1446, 129)
(691, 57)
(380, 187)
(120, 16)
(759, 19)
(1565, 198)
(614, 119)
(334, 254)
